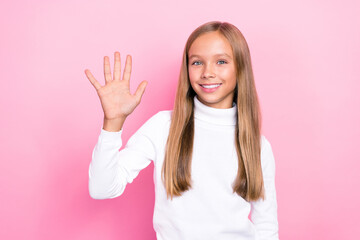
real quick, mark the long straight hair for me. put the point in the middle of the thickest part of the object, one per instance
(176, 169)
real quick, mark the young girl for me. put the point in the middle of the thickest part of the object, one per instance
(212, 166)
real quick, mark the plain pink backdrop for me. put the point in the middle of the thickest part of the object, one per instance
(305, 56)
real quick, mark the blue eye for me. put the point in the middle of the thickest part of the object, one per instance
(221, 62)
(196, 63)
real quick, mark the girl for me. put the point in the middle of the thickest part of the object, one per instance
(212, 166)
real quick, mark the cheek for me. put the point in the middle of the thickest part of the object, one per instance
(229, 75)
(192, 75)
(232, 75)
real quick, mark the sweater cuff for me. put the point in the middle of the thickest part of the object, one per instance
(113, 137)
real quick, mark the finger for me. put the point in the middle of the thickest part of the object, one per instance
(93, 81)
(140, 91)
(107, 70)
(117, 66)
(127, 70)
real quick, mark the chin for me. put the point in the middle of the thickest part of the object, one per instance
(209, 100)
(209, 97)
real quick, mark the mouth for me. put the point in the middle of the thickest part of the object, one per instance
(210, 86)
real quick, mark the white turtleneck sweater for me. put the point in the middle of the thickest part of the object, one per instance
(209, 210)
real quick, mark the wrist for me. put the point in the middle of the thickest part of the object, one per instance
(113, 125)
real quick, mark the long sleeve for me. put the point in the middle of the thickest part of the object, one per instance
(264, 212)
(110, 169)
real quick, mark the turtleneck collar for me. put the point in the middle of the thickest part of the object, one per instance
(218, 116)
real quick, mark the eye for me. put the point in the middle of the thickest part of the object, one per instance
(222, 62)
(196, 63)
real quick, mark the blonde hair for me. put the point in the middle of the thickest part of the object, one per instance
(176, 169)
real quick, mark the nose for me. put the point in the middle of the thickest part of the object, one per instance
(208, 72)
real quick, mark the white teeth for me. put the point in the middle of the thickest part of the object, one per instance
(210, 86)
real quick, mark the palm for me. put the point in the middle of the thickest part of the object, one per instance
(116, 99)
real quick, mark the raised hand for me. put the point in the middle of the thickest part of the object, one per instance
(116, 100)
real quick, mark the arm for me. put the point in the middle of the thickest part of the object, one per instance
(264, 212)
(110, 169)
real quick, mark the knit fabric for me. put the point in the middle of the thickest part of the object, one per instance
(210, 209)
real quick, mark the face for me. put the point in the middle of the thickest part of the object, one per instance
(212, 70)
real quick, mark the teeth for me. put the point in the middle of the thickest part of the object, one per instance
(210, 86)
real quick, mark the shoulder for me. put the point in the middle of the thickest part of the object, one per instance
(163, 115)
(158, 121)
(160, 118)
(265, 144)
(267, 156)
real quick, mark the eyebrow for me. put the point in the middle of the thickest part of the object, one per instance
(217, 55)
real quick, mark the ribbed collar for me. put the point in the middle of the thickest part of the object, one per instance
(218, 116)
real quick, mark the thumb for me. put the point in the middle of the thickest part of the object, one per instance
(140, 91)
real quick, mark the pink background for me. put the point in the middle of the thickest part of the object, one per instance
(305, 56)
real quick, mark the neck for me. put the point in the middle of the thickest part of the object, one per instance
(218, 116)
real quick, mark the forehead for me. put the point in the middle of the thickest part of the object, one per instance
(209, 44)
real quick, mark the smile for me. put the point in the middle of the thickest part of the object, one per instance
(208, 86)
